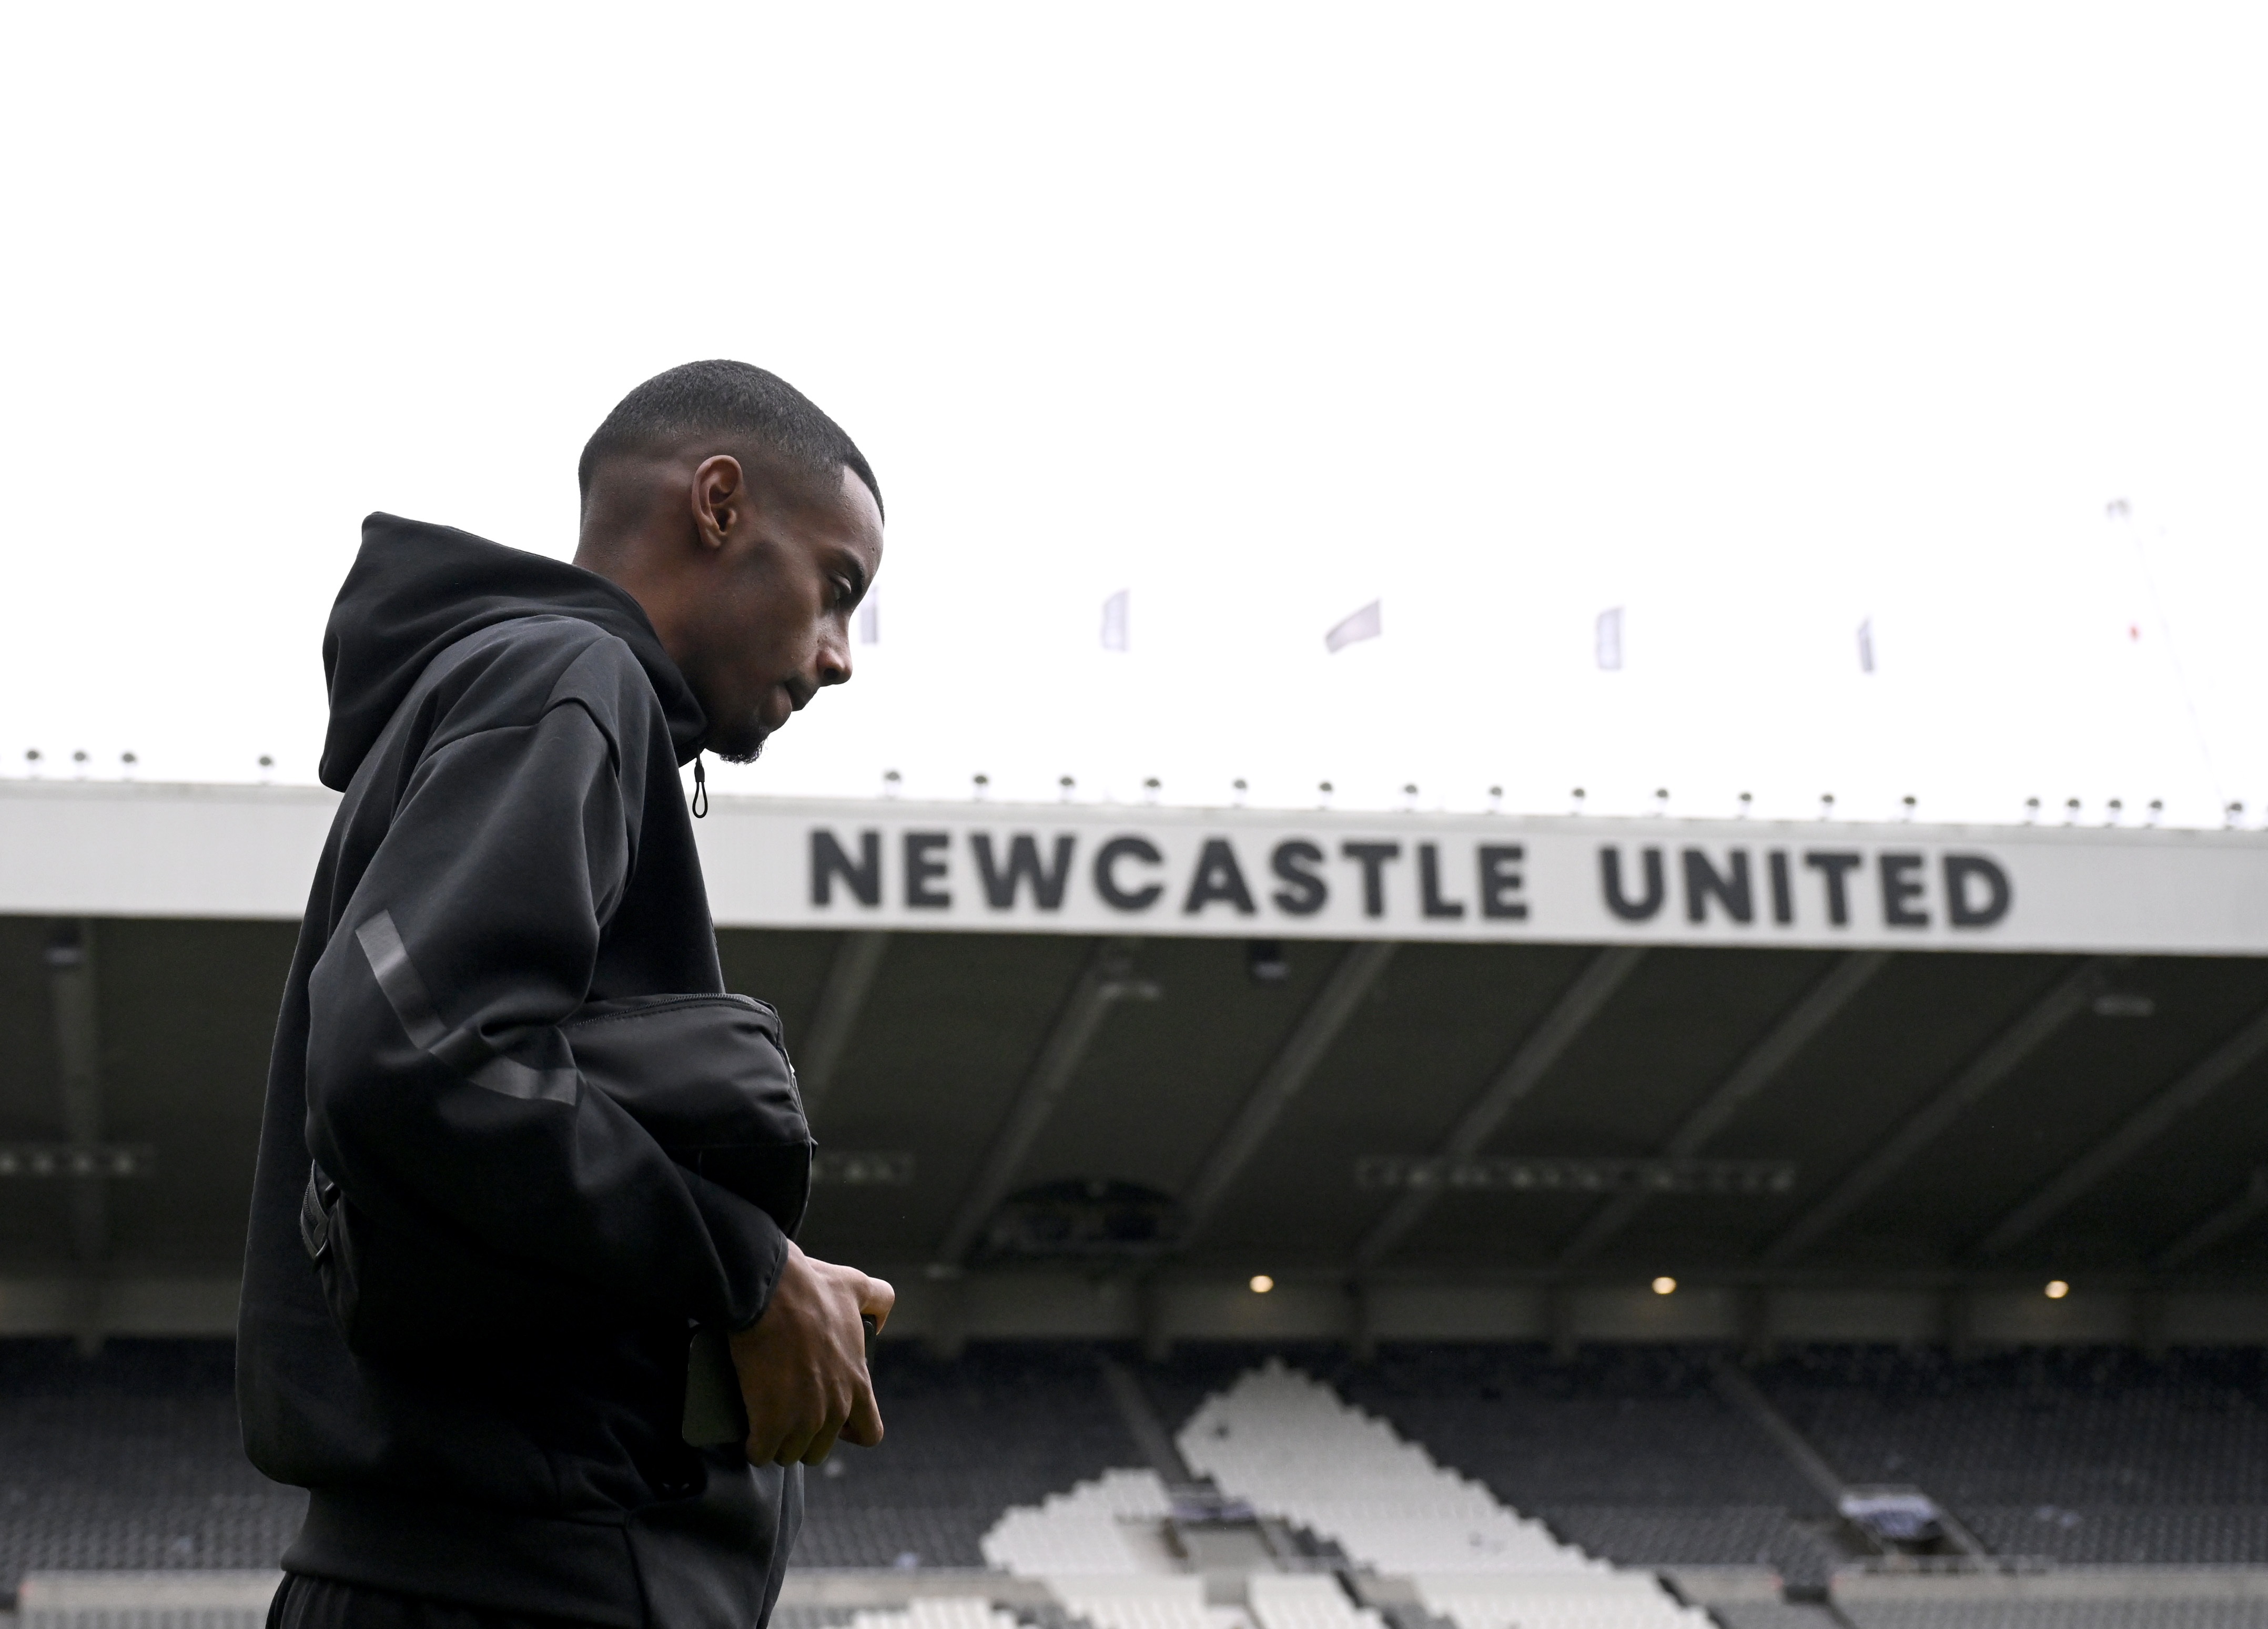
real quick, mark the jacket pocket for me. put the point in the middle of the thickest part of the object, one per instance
(707, 1077)
(400, 1297)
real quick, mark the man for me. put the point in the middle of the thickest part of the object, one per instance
(528, 1177)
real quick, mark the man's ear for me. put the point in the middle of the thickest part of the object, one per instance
(719, 491)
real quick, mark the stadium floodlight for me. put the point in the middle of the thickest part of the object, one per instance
(76, 1159)
(847, 1168)
(2056, 1289)
(1665, 1285)
(2124, 1004)
(1262, 1283)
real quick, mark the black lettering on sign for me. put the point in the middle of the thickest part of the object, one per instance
(1900, 888)
(1023, 861)
(1610, 881)
(1115, 894)
(1294, 862)
(1429, 885)
(923, 870)
(1373, 858)
(1782, 891)
(1703, 881)
(1962, 909)
(1219, 877)
(1832, 869)
(828, 862)
(1500, 882)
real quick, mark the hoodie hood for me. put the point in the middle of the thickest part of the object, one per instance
(416, 589)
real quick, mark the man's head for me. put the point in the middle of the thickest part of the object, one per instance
(748, 525)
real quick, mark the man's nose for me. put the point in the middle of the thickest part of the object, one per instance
(834, 658)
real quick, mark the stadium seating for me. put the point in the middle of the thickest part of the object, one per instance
(931, 1612)
(1005, 1426)
(1289, 1444)
(1504, 1485)
(1083, 1533)
(130, 1461)
(1626, 1451)
(1775, 1615)
(2124, 1614)
(2073, 1428)
(1304, 1601)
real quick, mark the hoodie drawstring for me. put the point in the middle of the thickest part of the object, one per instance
(700, 790)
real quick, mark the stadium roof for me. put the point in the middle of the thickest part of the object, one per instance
(2022, 1052)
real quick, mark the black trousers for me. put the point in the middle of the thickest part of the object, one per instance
(305, 1602)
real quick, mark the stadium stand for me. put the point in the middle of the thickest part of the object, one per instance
(928, 1613)
(1290, 1445)
(1089, 1532)
(1774, 1615)
(1624, 1451)
(2081, 1455)
(130, 1460)
(2121, 1614)
(1005, 1424)
(1281, 1444)
(1506, 1488)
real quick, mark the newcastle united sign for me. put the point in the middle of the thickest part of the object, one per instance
(112, 849)
(1083, 868)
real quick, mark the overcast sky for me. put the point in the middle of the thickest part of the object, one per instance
(1755, 323)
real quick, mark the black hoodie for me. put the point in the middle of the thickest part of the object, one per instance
(519, 1143)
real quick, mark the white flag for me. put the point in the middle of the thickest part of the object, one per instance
(1866, 646)
(1114, 621)
(1610, 639)
(1362, 625)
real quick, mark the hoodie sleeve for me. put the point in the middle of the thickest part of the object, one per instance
(442, 1096)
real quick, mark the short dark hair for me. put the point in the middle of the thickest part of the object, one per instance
(725, 398)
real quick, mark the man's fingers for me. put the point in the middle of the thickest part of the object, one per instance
(795, 1445)
(876, 1300)
(822, 1445)
(865, 1425)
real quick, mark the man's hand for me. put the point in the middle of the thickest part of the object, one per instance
(803, 1364)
